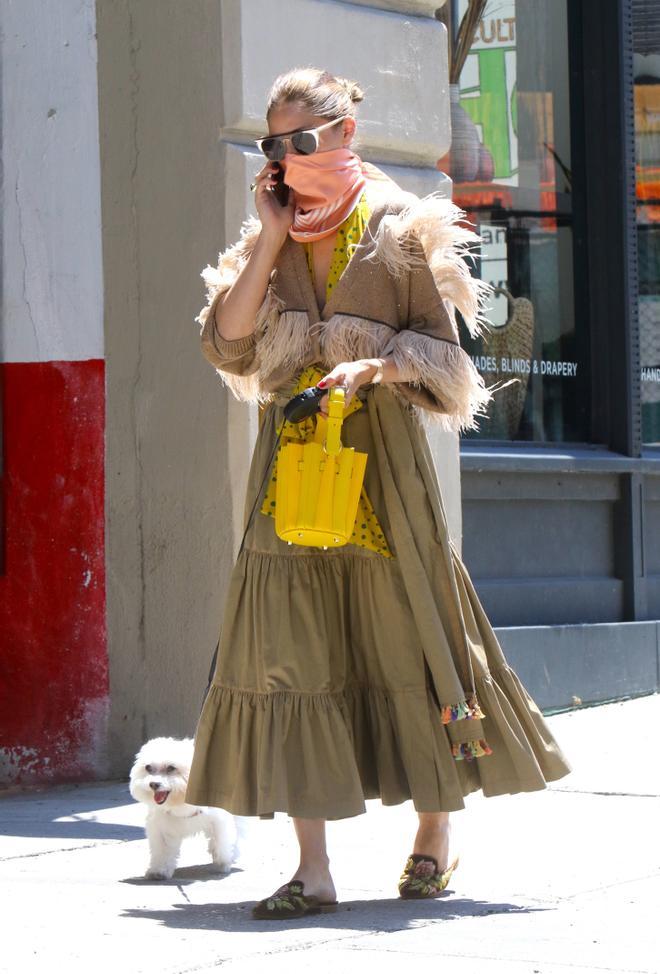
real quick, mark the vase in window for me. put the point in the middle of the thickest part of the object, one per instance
(467, 160)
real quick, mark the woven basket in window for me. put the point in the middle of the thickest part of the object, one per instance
(512, 340)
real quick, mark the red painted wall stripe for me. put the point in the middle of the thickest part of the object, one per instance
(53, 653)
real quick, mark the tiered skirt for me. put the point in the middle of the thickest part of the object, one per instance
(343, 675)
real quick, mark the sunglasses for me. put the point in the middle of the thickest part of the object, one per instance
(303, 141)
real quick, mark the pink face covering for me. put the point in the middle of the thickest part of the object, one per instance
(327, 186)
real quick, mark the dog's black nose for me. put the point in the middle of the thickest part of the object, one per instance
(154, 785)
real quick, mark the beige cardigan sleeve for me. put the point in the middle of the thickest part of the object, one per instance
(231, 357)
(236, 356)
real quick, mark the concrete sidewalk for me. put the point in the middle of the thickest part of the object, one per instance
(567, 879)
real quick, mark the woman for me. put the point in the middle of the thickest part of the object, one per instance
(369, 670)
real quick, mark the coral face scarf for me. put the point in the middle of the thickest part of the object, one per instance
(327, 187)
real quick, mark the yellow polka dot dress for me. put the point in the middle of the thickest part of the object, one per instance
(348, 237)
(367, 531)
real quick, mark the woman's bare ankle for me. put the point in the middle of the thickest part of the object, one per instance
(317, 879)
(432, 839)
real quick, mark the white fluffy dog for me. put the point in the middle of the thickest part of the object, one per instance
(158, 779)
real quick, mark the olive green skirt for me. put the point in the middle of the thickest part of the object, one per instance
(344, 675)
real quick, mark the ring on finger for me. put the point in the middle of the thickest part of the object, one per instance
(253, 185)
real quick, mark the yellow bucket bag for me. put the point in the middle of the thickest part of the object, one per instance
(319, 483)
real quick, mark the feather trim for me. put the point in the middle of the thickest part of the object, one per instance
(448, 372)
(245, 388)
(248, 386)
(282, 342)
(218, 280)
(286, 341)
(427, 232)
(345, 338)
(282, 338)
(230, 262)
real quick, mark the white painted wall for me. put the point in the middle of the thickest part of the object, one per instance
(52, 283)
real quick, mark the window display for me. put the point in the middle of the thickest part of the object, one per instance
(510, 164)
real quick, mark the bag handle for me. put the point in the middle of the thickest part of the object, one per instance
(336, 400)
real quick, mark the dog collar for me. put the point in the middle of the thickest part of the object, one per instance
(198, 811)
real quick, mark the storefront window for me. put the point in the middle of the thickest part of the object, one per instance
(646, 69)
(510, 164)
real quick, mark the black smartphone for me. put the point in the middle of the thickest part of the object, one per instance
(280, 189)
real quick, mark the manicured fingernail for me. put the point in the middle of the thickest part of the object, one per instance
(322, 383)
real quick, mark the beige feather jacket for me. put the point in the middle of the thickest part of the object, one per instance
(397, 296)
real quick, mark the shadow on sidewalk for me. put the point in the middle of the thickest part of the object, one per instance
(184, 876)
(65, 814)
(360, 915)
(77, 829)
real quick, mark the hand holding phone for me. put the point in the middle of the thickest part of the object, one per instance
(273, 201)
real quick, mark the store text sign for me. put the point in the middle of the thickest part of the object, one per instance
(492, 363)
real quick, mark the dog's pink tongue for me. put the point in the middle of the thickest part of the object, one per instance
(160, 796)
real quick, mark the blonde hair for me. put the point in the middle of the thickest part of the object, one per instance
(320, 92)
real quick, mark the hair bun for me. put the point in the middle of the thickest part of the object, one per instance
(353, 89)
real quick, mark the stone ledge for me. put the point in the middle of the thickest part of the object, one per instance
(416, 8)
(405, 113)
(593, 662)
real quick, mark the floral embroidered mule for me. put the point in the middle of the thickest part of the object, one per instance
(289, 902)
(421, 878)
